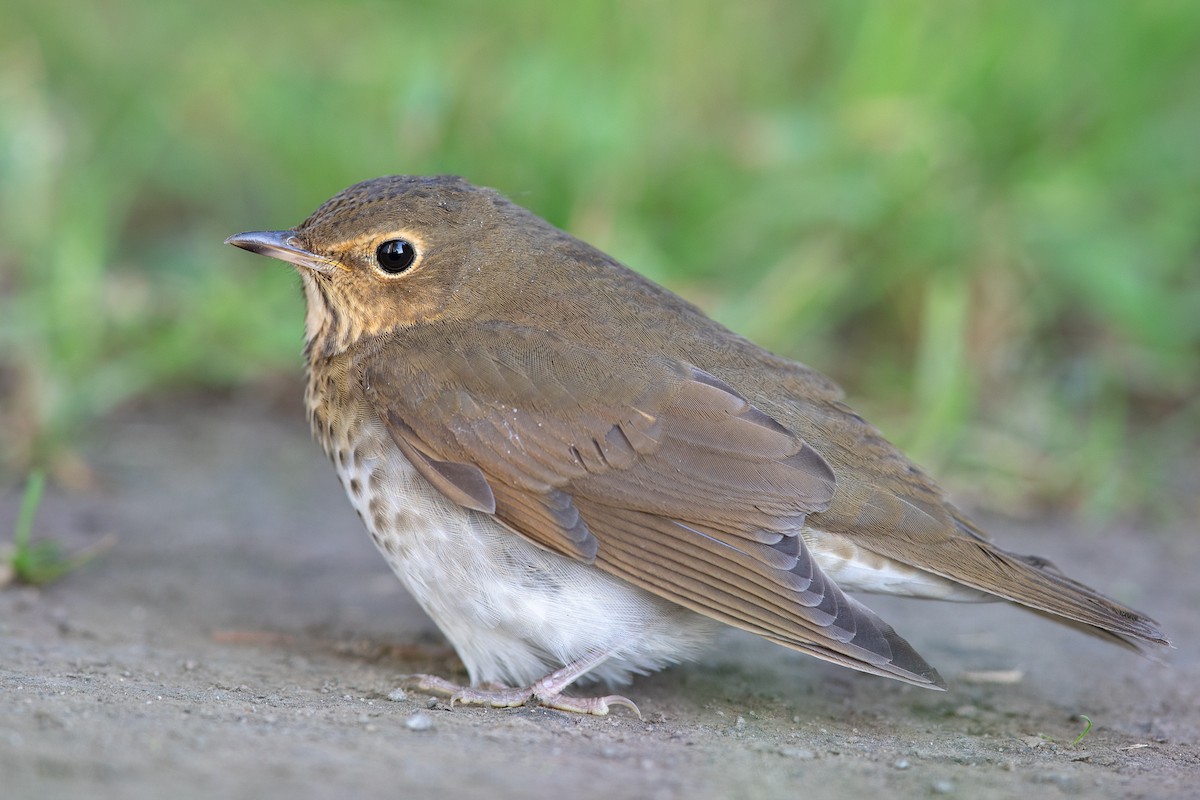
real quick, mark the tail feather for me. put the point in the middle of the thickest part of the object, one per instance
(1082, 607)
(941, 541)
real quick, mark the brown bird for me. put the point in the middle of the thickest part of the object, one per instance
(576, 473)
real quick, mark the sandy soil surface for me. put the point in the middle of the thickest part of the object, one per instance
(243, 639)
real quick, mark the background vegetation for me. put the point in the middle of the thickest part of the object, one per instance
(982, 219)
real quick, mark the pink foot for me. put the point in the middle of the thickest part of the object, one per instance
(546, 692)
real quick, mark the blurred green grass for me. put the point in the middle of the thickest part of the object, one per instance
(982, 219)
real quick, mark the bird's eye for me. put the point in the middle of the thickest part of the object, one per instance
(395, 255)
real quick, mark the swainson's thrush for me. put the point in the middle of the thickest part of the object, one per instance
(575, 472)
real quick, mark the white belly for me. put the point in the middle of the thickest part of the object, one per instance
(513, 611)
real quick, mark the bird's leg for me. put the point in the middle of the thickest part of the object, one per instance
(546, 691)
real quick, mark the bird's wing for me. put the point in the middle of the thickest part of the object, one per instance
(652, 469)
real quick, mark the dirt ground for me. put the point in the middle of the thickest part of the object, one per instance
(243, 639)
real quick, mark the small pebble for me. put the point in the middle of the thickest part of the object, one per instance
(943, 787)
(396, 695)
(901, 763)
(419, 721)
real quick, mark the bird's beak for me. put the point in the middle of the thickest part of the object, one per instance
(285, 246)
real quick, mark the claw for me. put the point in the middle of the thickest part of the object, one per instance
(618, 700)
(596, 706)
